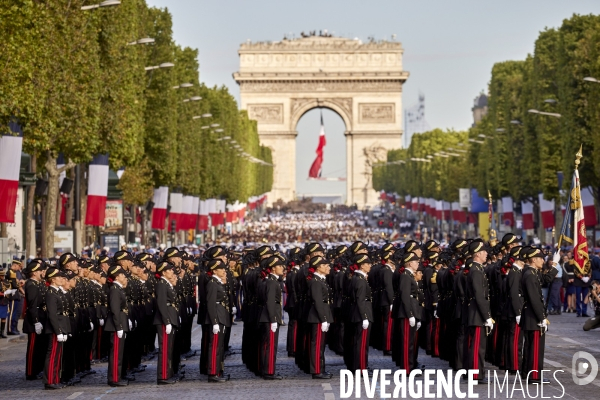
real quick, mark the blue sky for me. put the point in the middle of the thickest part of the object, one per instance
(449, 49)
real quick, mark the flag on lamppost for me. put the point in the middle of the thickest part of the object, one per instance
(97, 190)
(10, 164)
(315, 168)
(573, 227)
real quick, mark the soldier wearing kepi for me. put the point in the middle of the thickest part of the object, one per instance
(166, 321)
(57, 329)
(35, 319)
(513, 310)
(219, 317)
(319, 315)
(479, 319)
(117, 325)
(361, 314)
(533, 317)
(270, 315)
(386, 299)
(290, 304)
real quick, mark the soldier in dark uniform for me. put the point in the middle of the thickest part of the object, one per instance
(71, 306)
(57, 329)
(117, 325)
(148, 331)
(534, 322)
(270, 315)
(361, 314)
(125, 260)
(35, 319)
(219, 317)
(431, 294)
(290, 304)
(250, 336)
(336, 330)
(514, 306)
(479, 317)
(15, 305)
(99, 289)
(404, 311)
(166, 320)
(386, 300)
(319, 316)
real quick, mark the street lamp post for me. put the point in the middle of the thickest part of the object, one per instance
(107, 3)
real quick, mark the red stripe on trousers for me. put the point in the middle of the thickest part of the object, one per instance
(115, 368)
(165, 352)
(271, 345)
(406, 339)
(388, 342)
(363, 349)
(318, 350)
(476, 351)
(214, 353)
(295, 330)
(30, 355)
(437, 337)
(59, 369)
(51, 363)
(536, 344)
(495, 335)
(516, 348)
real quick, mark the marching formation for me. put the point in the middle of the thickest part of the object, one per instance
(485, 299)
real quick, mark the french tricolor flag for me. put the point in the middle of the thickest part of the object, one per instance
(186, 216)
(176, 201)
(97, 190)
(589, 209)
(159, 211)
(508, 214)
(203, 215)
(527, 210)
(547, 212)
(10, 163)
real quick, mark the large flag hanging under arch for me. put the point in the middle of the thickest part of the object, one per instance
(315, 168)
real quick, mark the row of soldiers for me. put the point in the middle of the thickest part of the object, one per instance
(486, 300)
(115, 309)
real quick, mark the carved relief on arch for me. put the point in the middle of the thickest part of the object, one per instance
(343, 106)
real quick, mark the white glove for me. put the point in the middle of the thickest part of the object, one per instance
(435, 314)
(130, 325)
(365, 324)
(120, 334)
(61, 338)
(412, 321)
(38, 328)
(215, 329)
(190, 310)
(10, 291)
(391, 306)
(544, 325)
(274, 327)
(518, 318)
(418, 325)
(489, 322)
(101, 321)
(91, 326)
(168, 329)
(324, 326)
(585, 279)
(234, 310)
(556, 259)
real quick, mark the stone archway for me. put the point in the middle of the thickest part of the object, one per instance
(362, 82)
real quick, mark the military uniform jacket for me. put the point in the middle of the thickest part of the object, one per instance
(534, 311)
(515, 300)
(362, 307)
(479, 296)
(217, 303)
(202, 280)
(58, 321)
(290, 289)
(118, 311)
(320, 310)
(406, 302)
(167, 309)
(36, 307)
(386, 294)
(271, 300)
(338, 288)
(430, 287)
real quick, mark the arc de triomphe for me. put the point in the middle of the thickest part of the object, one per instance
(362, 82)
